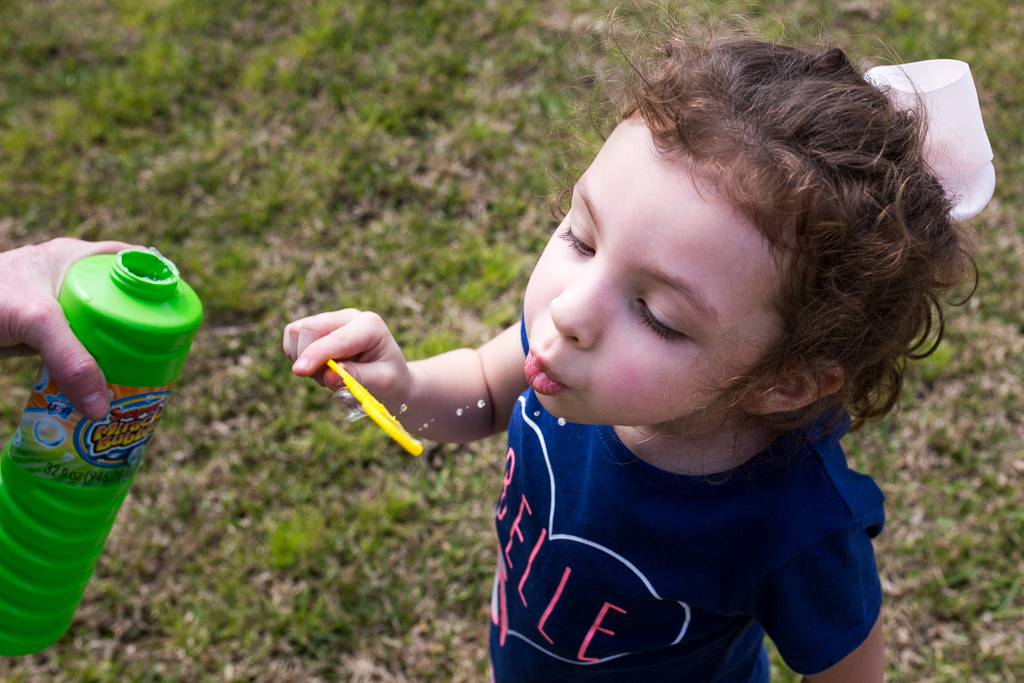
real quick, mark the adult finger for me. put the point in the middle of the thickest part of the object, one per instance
(71, 366)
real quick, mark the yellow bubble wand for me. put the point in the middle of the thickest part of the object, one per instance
(377, 412)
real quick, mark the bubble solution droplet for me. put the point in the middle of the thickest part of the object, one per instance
(458, 411)
(561, 422)
(481, 403)
(536, 413)
(353, 408)
(425, 425)
(403, 409)
(68, 457)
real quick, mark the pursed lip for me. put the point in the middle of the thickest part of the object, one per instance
(539, 376)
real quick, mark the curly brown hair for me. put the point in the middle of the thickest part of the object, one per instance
(829, 169)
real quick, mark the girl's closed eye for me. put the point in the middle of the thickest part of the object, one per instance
(578, 245)
(659, 328)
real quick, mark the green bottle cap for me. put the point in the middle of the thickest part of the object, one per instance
(134, 314)
(145, 274)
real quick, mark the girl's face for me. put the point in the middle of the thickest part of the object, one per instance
(651, 291)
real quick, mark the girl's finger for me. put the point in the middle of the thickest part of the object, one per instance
(378, 378)
(363, 339)
(300, 333)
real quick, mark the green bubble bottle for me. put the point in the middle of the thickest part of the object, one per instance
(63, 476)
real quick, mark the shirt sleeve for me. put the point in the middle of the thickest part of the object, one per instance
(821, 605)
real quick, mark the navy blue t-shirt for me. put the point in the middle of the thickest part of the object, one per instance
(609, 567)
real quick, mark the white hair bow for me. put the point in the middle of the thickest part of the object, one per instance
(956, 145)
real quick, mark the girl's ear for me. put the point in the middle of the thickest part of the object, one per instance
(792, 392)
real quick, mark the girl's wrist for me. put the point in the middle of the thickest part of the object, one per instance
(409, 400)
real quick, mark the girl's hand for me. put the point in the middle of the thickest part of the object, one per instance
(361, 342)
(437, 391)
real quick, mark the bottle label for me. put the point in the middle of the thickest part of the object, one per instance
(56, 442)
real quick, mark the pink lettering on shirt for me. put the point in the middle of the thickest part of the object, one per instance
(594, 629)
(510, 458)
(551, 605)
(529, 563)
(503, 605)
(514, 531)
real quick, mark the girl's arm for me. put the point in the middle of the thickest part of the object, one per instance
(866, 664)
(468, 394)
(457, 396)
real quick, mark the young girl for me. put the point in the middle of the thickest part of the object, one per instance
(747, 263)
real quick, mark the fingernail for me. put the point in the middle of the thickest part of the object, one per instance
(95, 405)
(302, 364)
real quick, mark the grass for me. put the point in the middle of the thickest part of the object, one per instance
(293, 157)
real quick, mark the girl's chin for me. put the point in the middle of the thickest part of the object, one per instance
(559, 409)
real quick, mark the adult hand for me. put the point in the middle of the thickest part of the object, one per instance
(32, 321)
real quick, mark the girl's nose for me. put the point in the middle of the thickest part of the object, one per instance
(577, 313)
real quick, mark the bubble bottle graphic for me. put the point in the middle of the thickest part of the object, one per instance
(63, 476)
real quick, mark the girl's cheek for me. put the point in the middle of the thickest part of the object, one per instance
(624, 377)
